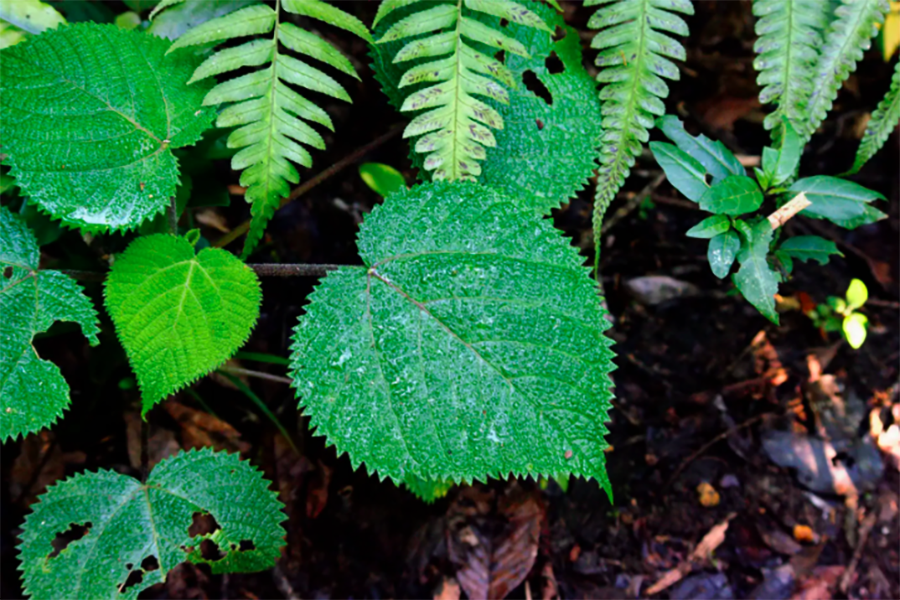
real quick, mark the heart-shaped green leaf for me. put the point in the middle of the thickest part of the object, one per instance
(179, 315)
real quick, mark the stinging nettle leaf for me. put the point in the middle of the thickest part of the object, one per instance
(33, 393)
(97, 152)
(470, 345)
(734, 195)
(683, 171)
(178, 314)
(142, 529)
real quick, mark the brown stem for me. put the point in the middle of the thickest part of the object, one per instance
(783, 214)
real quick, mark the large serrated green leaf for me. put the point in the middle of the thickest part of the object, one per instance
(33, 393)
(178, 314)
(469, 346)
(89, 115)
(545, 151)
(128, 522)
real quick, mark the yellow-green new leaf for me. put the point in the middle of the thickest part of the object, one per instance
(178, 314)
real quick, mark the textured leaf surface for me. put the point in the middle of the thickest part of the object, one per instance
(129, 522)
(32, 16)
(835, 199)
(33, 393)
(734, 195)
(470, 345)
(635, 59)
(175, 20)
(272, 120)
(790, 37)
(756, 279)
(89, 117)
(178, 314)
(546, 150)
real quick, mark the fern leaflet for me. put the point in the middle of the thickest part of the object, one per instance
(634, 59)
(456, 126)
(883, 121)
(790, 33)
(269, 115)
(848, 37)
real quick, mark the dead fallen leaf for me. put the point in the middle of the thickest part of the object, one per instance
(200, 429)
(712, 540)
(495, 552)
(707, 494)
(161, 442)
(818, 585)
(317, 495)
(40, 463)
(211, 218)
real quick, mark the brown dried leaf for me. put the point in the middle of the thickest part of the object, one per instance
(161, 443)
(200, 429)
(39, 464)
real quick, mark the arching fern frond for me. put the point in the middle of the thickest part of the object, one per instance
(848, 36)
(270, 116)
(634, 60)
(456, 126)
(790, 35)
(881, 124)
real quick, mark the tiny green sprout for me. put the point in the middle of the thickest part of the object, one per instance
(382, 179)
(839, 314)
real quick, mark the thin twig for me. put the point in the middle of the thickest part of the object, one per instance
(311, 183)
(783, 214)
(257, 374)
(864, 530)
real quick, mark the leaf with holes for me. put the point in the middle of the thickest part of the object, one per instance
(469, 346)
(551, 126)
(97, 152)
(130, 534)
(33, 393)
(178, 314)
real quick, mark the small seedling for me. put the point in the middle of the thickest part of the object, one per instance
(839, 314)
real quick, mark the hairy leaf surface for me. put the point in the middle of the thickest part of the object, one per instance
(272, 119)
(547, 147)
(469, 346)
(33, 393)
(89, 115)
(634, 60)
(129, 524)
(178, 314)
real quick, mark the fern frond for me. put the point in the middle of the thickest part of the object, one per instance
(634, 60)
(790, 35)
(456, 126)
(270, 115)
(847, 38)
(881, 124)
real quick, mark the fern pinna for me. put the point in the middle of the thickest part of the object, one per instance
(270, 116)
(456, 127)
(634, 60)
(882, 123)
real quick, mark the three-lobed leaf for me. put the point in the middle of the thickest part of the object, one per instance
(97, 152)
(33, 393)
(179, 314)
(129, 524)
(470, 345)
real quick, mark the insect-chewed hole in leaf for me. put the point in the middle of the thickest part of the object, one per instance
(203, 524)
(247, 545)
(504, 22)
(536, 86)
(72, 534)
(7, 272)
(500, 55)
(553, 64)
(210, 551)
(559, 33)
(135, 577)
(539, 123)
(151, 563)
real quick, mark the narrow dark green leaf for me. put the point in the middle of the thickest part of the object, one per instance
(786, 158)
(734, 195)
(756, 280)
(709, 227)
(722, 251)
(809, 247)
(833, 198)
(718, 160)
(684, 172)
